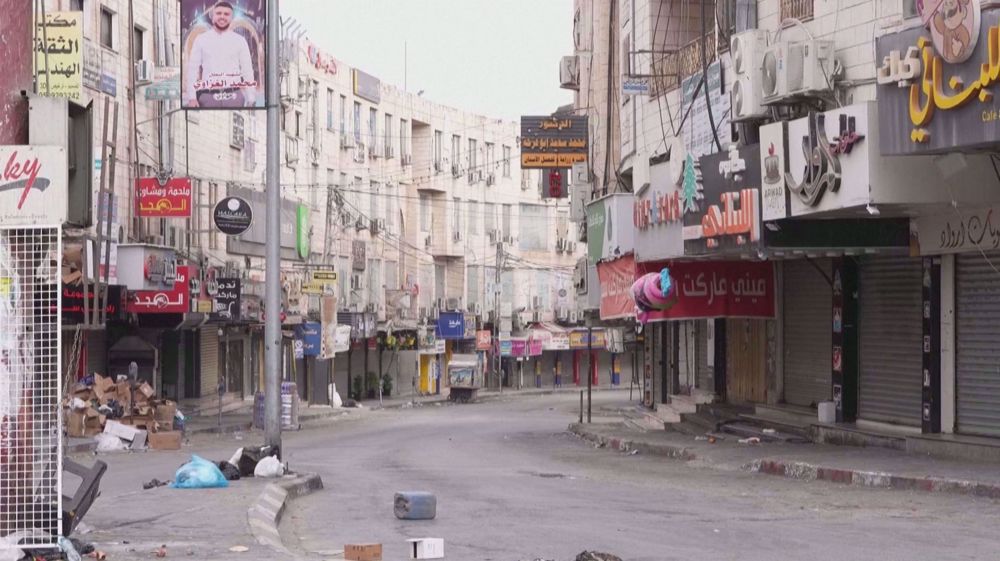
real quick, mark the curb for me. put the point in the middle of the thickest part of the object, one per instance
(625, 445)
(266, 512)
(873, 479)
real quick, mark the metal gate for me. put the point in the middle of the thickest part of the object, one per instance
(891, 327)
(746, 353)
(977, 338)
(808, 336)
(209, 352)
(30, 382)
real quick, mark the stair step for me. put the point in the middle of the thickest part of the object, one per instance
(683, 403)
(746, 430)
(796, 428)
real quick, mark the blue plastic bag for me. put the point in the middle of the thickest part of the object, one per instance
(199, 473)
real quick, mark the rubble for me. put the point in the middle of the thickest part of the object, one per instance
(596, 556)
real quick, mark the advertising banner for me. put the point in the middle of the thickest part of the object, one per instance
(328, 327)
(173, 301)
(616, 278)
(451, 325)
(73, 305)
(33, 185)
(166, 84)
(484, 340)
(223, 53)
(553, 142)
(578, 339)
(309, 334)
(59, 55)
(715, 289)
(170, 199)
(226, 300)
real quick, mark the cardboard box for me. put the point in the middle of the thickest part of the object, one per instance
(166, 440)
(426, 548)
(139, 421)
(84, 422)
(104, 388)
(363, 552)
(164, 415)
(145, 391)
(124, 394)
(135, 437)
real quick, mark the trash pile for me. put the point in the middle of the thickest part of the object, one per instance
(199, 473)
(122, 415)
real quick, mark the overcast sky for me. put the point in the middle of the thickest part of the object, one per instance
(495, 57)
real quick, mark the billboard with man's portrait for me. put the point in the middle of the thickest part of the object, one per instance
(223, 54)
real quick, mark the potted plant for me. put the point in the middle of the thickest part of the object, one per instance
(356, 388)
(386, 385)
(371, 381)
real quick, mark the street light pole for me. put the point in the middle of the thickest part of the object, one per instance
(272, 255)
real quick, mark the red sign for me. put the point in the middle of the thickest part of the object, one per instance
(484, 340)
(616, 278)
(163, 200)
(708, 289)
(176, 301)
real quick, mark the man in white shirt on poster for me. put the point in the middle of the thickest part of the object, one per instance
(220, 72)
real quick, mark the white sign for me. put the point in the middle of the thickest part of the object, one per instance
(772, 171)
(33, 185)
(955, 232)
(635, 86)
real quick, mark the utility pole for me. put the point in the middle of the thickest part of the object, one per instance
(496, 306)
(272, 254)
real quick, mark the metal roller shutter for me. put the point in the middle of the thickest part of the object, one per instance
(977, 299)
(891, 329)
(808, 334)
(209, 352)
(97, 352)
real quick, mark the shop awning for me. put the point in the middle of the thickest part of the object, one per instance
(552, 336)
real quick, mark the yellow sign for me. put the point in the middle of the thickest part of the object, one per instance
(551, 160)
(204, 306)
(324, 277)
(59, 55)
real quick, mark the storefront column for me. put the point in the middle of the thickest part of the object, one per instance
(844, 378)
(930, 409)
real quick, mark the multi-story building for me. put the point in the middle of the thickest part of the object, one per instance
(422, 210)
(810, 176)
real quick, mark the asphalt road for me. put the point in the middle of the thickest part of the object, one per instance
(513, 485)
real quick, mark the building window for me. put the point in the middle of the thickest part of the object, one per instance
(372, 126)
(489, 158)
(627, 56)
(108, 28)
(533, 231)
(506, 220)
(387, 136)
(357, 122)
(438, 138)
(298, 124)
(490, 217)
(238, 137)
(329, 109)
(798, 9)
(472, 155)
(456, 149)
(343, 114)
(425, 213)
(404, 138)
(506, 161)
(138, 43)
(76, 5)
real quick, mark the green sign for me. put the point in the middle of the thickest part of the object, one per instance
(302, 231)
(596, 221)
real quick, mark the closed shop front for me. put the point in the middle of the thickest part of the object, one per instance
(977, 337)
(891, 334)
(808, 332)
(97, 352)
(208, 339)
(746, 354)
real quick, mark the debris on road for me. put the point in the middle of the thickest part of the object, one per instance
(162, 552)
(415, 505)
(239, 549)
(427, 548)
(231, 472)
(753, 440)
(199, 473)
(363, 552)
(632, 452)
(269, 467)
(153, 483)
(596, 556)
(250, 456)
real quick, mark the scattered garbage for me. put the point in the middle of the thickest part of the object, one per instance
(335, 398)
(239, 549)
(712, 440)
(415, 505)
(162, 551)
(250, 456)
(596, 556)
(701, 438)
(98, 554)
(363, 552)
(68, 550)
(632, 452)
(231, 472)
(753, 440)
(426, 548)
(770, 431)
(154, 483)
(199, 473)
(110, 443)
(269, 467)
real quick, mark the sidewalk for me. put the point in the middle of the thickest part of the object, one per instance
(866, 467)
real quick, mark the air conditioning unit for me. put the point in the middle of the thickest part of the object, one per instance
(508, 239)
(356, 282)
(454, 304)
(377, 225)
(796, 69)
(494, 236)
(491, 179)
(346, 141)
(574, 316)
(456, 236)
(476, 308)
(372, 308)
(144, 72)
(359, 154)
(810, 67)
(361, 224)
(569, 72)
(747, 49)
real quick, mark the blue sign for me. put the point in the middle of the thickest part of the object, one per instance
(309, 334)
(451, 325)
(506, 348)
